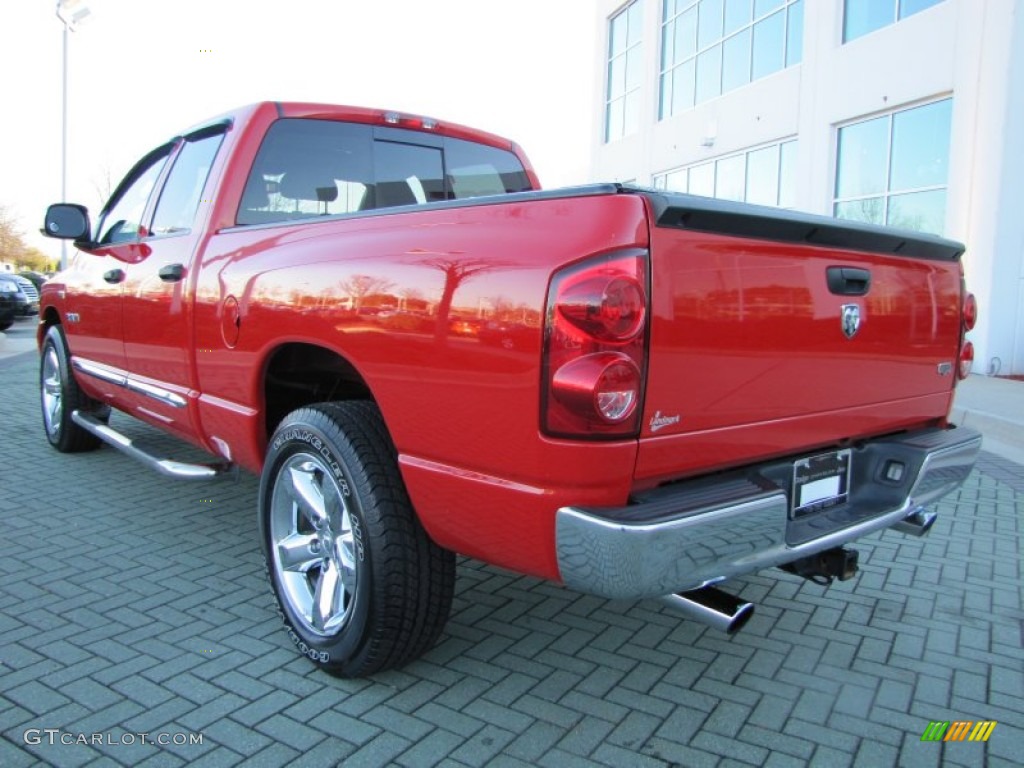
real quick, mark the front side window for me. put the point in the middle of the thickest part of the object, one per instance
(122, 219)
(894, 169)
(710, 47)
(765, 176)
(863, 16)
(625, 72)
(310, 168)
(179, 199)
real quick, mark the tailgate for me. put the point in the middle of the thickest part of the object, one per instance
(774, 332)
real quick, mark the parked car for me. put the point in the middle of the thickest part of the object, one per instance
(507, 334)
(24, 294)
(8, 303)
(464, 326)
(36, 278)
(710, 389)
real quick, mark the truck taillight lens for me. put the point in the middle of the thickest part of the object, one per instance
(595, 347)
(970, 311)
(968, 317)
(966, 359)
(608, 307)
(605, 385)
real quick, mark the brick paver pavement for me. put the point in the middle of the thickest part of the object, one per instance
(134, 604)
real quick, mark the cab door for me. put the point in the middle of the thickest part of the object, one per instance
(94, 284)
(157, 300)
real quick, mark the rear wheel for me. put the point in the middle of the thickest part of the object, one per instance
(60, 395)
(360, 585)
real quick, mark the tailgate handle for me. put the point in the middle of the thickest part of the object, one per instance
(848, 281)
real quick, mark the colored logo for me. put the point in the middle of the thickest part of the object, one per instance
(958, 730)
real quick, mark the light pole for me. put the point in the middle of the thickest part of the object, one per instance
(71, 13)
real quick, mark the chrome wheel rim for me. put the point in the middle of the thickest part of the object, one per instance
(52, 387)
(313, 544)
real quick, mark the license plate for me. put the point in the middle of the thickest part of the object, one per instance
(820, 482)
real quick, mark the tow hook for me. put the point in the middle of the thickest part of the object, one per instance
(823, 567)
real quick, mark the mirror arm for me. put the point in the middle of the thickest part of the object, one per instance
(87, 245)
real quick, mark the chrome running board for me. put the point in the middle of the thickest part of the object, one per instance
(167, 467)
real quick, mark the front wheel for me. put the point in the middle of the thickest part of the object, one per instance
(60, 395)
(360, 585)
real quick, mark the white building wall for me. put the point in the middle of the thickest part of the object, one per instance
(993, 189)
(970, 50)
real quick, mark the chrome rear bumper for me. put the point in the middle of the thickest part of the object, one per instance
(702, 532)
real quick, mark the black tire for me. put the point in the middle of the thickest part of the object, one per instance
(335, 519)
(59, 395)
(5, 324)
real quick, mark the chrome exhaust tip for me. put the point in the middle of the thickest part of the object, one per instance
(708, 605)
(917, 523)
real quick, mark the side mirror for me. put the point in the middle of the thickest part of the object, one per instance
(67, 221)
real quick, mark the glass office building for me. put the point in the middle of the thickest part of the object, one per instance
(907, 113)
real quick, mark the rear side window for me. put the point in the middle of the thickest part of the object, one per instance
(311, 168)
(475, 169)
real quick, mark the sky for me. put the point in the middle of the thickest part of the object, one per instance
(140, 71)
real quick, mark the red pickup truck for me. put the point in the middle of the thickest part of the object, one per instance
(634, 393)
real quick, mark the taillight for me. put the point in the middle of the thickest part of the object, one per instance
(970, 312)
(968, 317)
(595, 347)
(604, 384)
(608, 307)
(966, 359)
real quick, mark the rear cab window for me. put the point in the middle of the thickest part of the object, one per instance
(308, 168)
(474, 170)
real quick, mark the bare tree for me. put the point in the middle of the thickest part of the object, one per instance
(456, 272)
(358, 287)
(411, 299)
(871, 210)
(104, 184)
(501, 307)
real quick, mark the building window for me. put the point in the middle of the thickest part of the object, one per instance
(863, 16)
(893, 169)
(625, 73)
(710, 47)
(765, 175)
